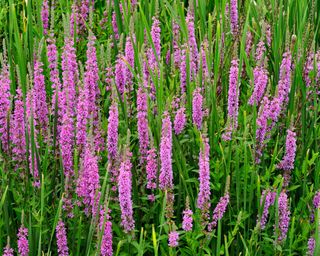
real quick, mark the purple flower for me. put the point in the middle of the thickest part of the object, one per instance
(283, 215)
(219, 211)
(260, 76)
(233, 100)
(268, 198)
(91, 76)
(203, 61)
(54, 71)
(155, 36)
(62, 243)
(192, 43)
(268, 34)
(33, 145)
(70, 75)
(180, 120)
(4, 103)
(152, 169)
(249, 38)
(67, 143)
(112, 142)
(173, 239)
(316, 200)
(176, 47)
(40, 97)
(45, 16)
(197, 111)
(260, 51)
(115, 26)
(308, 68)
(183, 69)
(82, 117)
(142, 115)
(287, 163)
(187, 220)
(311, 246)
(88, 182)
(120, 75)
(284, 83)
(234, 17)
(18, 132)
(203, 202)
(129, 62)
(125, 190)
(106, 242)
(166, 174)
(23, 245)
(7, 251)
(109, 78)
(113, 123)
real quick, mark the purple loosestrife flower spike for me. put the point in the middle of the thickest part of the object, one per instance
(120, 75)
(125, 190)
(105, 225)
(152, 170)
(234, 17)
(176, 47)
(192, 43)
(284, 216)
(233, 100)
(316, 200)
(203, 202)
(166, 174)
(268, 197)
(54, 71)
(91, 78)
(112, 142)
(106, 242)
(287, 163)
(143, 127)
(279, 102)
(129, 62)
(23, 245)
(33, 163)
(183, 69)
(88, 183)
(113, 123)
(260, 76)
(67, 143)
(249, 39)
(285, 78)
(173, 239)
(311, 246)
(18, 132)
(62, 243)
(70, 75)
(155, 36)
(115, 26)
(45, 16)
(219, 211)
(4, 103)
(260, 51)
(180, 120)
(187, 220)
(40, 97)
(268, 34)
(197, 110)
(7, 251)
(82, 117)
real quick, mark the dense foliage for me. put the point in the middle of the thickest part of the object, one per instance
(159, 127)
